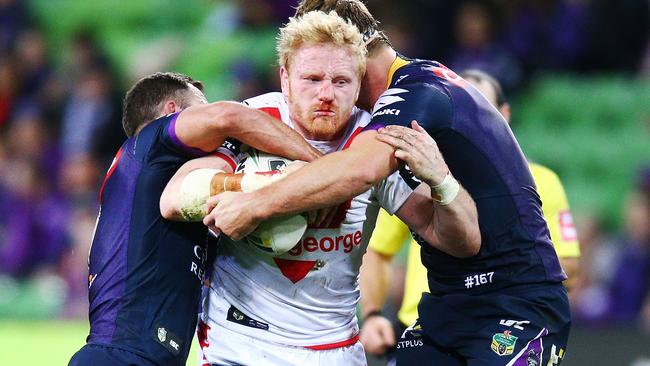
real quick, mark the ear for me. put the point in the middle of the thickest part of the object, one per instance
(506, 112)
(169, 107)
(284, 81)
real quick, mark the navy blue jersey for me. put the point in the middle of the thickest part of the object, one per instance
(484, 156)
(145, 272)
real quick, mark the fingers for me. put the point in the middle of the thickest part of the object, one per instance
(213, 201)
(417, 127)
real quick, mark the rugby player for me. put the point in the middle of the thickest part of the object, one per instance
(145, 272)
(299, 308)
(504, 305)
(390, 234)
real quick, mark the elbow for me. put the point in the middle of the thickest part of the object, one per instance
(472, 245)
(465, 247)
(167, 210)
(365, 179)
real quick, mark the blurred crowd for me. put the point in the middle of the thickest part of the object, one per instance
(60, 124)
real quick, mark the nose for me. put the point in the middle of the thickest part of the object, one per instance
(326, 91)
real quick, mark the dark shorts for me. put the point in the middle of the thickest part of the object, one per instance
(523, 326)
(98, 355)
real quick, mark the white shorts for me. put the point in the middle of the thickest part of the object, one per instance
(221, 346)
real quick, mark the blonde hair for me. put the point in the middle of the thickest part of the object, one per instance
(317, 27)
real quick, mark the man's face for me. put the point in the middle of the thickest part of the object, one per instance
(321, 85)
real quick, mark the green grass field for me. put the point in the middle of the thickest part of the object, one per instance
(26, 343)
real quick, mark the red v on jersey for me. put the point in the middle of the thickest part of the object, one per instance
(294, 270)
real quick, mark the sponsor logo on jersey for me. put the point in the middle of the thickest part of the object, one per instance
(168, 340)
(401, 78)
(517, 324)
(326, 244)
(236, 316)
(162, 334)
(532, 358)
(503, 344)
(393, 112)
(389, 97)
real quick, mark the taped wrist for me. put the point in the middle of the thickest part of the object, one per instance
(195, 191)
(445, 192)
(253, 181)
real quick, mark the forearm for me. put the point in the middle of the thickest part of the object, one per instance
(268, 134)
(456, 226)
(373, 281)
(451, 228)
(205, 127)
(329, 180)
(183, 194)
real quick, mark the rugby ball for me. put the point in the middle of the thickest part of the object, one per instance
(277, 235)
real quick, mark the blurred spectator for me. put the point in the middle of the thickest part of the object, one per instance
(616, 280)
(618, 33)
(35, 228)
(32, 63)
(631, 281)
(547, 34)
(477, 45)
(590, 298)
(9, 80)
(13, 19)
(91, 125)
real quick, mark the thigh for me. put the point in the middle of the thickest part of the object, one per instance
(414, 347)
(526, 327)
(517, 342)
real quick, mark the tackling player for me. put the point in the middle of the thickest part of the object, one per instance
(390, 234)
(145, 272)
(504, 305)
(299, 308)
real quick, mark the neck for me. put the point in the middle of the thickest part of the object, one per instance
(376, 77)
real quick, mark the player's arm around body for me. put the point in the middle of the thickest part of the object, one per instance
(206, 127)
(345, 174)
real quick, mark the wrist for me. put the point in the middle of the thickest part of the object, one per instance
(372, 313)
(445, 192)
(222, 182)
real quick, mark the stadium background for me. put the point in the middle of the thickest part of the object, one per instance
(577, 73)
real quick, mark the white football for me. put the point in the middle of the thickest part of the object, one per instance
(277, 235)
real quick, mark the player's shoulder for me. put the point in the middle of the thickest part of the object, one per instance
(272, 99)
(155, 130)
(407, 72)
(273, 103)
(359, 118)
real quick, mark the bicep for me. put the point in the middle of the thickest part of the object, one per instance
(205, 126)
(368, 154)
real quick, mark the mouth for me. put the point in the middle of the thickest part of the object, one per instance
(323, 113)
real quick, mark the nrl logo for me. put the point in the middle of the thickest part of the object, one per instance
(503, 344)
(162, 334)
(237, 315)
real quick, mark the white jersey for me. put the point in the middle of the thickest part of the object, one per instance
(308, 296)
